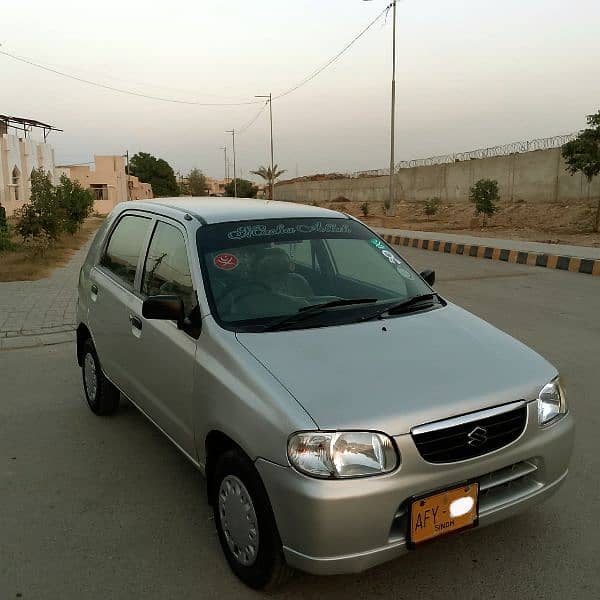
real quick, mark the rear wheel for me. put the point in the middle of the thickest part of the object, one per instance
(101, 395)
(246, 525)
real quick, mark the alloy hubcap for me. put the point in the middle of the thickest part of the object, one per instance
(238, 520)
(90, 376)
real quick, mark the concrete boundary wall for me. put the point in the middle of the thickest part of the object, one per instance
(539, 177)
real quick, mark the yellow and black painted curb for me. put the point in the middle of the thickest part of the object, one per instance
(588, 266)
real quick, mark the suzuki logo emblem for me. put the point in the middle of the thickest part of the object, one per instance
(477, 437)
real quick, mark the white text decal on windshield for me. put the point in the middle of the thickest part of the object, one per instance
(244, 232)
(391, 258)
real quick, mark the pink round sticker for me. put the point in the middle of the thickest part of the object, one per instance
(226, 261)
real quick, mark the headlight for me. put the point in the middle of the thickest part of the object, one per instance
(551, 402)
(342, 454)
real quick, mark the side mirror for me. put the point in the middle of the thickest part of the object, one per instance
(429, 276)
(166, 308)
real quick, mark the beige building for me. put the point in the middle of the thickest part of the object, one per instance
(108, 182)
(216, 187)
(20, 153)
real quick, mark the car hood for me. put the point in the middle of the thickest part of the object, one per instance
(393, 374)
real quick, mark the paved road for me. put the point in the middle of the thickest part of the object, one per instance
(43, 307)
(106, 508)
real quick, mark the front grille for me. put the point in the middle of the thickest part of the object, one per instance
(470, 436)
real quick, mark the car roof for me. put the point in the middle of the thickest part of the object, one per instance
(223, 210)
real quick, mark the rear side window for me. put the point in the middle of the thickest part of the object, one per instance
(124, 248)
(167, 270)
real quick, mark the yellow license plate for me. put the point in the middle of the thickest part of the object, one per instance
(443, 513)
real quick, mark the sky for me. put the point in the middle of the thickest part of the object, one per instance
(470, 74)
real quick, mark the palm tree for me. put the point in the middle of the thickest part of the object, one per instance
(269, 176)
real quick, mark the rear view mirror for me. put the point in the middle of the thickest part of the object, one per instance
(429, 276)
(166, 308)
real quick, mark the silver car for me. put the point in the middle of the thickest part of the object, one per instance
(342, 411)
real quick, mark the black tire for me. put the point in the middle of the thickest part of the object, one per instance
(268, 570)
(104, 399)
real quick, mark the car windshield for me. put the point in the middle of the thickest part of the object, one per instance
(257, 273)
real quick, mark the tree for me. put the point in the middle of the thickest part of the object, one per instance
(485, 194)
(196, 183)
(583, 155)
(245, 189)
(269, 176)
(42, 215)
(155, 171)
(75, 202)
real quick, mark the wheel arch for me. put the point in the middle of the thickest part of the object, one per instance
(215, 444)
(83, 334)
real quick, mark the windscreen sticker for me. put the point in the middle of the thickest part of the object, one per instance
(404, 272)
(244, 232)
(378, 244)
(226, 261)
(393, 260)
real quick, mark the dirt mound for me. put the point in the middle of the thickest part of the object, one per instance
(551, 223)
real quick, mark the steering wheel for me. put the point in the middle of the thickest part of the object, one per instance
(244, 290)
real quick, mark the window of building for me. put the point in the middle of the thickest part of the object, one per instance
(15, 179)
(99, 191)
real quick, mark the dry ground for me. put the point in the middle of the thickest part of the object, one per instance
(20, 265)
(520, 220)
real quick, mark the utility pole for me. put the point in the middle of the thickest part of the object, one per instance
(232, 132)
(128, 179)
(270, 100)
(392, 208)
(224, 148)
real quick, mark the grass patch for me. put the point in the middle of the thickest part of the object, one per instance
(19, 265)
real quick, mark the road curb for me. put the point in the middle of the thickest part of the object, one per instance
(31, 341)
(586, 266)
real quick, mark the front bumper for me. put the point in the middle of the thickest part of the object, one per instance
(344, 526)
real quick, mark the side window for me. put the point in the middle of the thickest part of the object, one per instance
(167, 270)
(124, 247)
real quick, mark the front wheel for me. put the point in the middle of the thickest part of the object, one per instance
(246, 525)
(101, 395)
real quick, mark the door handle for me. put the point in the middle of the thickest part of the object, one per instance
(94, 288)
(135, 321)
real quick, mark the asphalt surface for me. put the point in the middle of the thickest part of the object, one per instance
(96, 508)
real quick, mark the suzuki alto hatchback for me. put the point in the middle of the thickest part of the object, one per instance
(342, 411)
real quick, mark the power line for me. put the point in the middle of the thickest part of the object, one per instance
(334, 58)
(253, 120)
(121, 90)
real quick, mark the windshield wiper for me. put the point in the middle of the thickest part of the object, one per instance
(308, 311)
(413, 303)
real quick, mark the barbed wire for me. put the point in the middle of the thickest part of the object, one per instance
(504, 150)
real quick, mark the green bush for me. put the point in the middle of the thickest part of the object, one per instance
(5, 241)
(245, 188)
(3, 220)
(42, 214)
(432, 205)
(75, 202)
(364, 207)
(484, 194)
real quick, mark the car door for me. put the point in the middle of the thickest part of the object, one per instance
(164, 363)
(114, 301)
